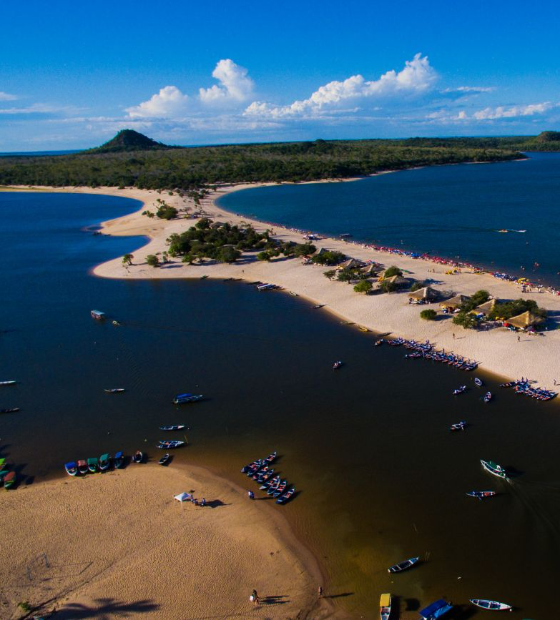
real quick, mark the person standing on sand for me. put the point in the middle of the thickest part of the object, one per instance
(320, 591)
(254, 598)
(251, 494)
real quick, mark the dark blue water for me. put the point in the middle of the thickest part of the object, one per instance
(380, 477)
(451, 211)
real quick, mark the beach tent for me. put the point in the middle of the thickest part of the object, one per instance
(527, 319)
(454, 302)
(428, 293)
(486, 307)
(183, 497)
(435, 610)
(351, 263)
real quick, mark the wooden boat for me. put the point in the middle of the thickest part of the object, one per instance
(281, 489)
(487, 397)
(98, 315)
(11, 410)
(481, 494)
(92, 464)
(478, 382)
(269, 483)
(3, 473)
(385, 606)
(104, 462)
(318, 306)
(164, 459)
(82, 467)
(271, 457)
(9, 480)
(490, 605)
(378, 343)
(11, 382)
(273, 488)
(494, 468)
(114, 390)
(337, 365)
(287, 496)
(435, 610)
(71, 468)
(138, 457)
(460, 390)
(398, 568)
(363, 329)
(181, 399)
(460, 426)
(174, 427)
(166, 445)
(118, 460)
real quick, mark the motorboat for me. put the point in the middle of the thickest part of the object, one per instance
(114, 390)
(481, 494)
(92, 464)
(10, 382)
(436, 610)
(460, 390)
(459, 426)
(9, 480)
(174, 427)
(104, 462)
(10, 410)
(138, 457)
(385, 606)
(118, 461)
(98, 315)
(487, 397)
(478, 382)
(164, 459)
(491, 605)
(166, 445)
(404, 565)
(82, 467)
(287, 496)
(494, 468)
(181, 399)
(337, 365)
(71, 468)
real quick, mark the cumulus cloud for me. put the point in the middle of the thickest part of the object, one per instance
(514, 111)
(416, 77)
(7, 97)
(235, 84)
(169, 102)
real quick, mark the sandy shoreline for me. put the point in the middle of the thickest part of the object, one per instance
(118, 544)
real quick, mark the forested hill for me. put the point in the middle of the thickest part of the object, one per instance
(135, 160)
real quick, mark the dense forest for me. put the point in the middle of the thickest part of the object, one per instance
(131, 159)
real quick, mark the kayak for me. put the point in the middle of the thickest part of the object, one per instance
(398, 568)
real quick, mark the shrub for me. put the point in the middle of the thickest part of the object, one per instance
(330, 273)
(364, 286)
(264, 256)
(392, 271)
(428, 315)
(152, 260)
(466, 320)
(388, 287)
(227, 254)
(476, 299)
(166, 212)
(328, 258)
(512, 308)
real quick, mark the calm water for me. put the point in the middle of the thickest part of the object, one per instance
(452, 211)
(380, 477)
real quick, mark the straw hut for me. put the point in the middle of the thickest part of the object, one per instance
(486, 307)
(525, 320)
(397, 280)
(427, 293)
(372, 270)
(351, 263)
(454, 302)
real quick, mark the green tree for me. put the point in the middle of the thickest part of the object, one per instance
(468, 320)
(152, 260)
(127, 259)
(264, 256)
(416, 286)
(428, 315)
(392, 271)
(388, 287)
(330, 257)
(227, 254)
(364, 286)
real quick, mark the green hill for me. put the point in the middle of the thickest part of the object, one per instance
(548, 136)
(129, 140)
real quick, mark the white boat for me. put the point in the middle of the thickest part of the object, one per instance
(494, 468)
(114, 390)
(491, 605)
(8, 382)
(385, 606)
(398, 568)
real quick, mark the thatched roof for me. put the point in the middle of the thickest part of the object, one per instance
(424, 293)
(486, 307)
(398, 280)
(371, 270)
(454, 302)
(526, 319)
(351, 263)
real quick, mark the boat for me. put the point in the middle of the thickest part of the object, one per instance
(460, 390)
(398, 568)
(118, 460)
(271, 457)
(174, 427)
(460, 426)
(82, 467)
(11, 410)
(318, 306)
(273, 488)
(363, 329)
(337, 365)
(436, 610)
(114, 390)
(104, 462)
(138, 457)
(2, 461)
(481, 494)
(71, 468)
(92, 464)
(378, 343)
(164, 459)
(495, 469)
(98, 315)
(9, 480)
(181, 399)
(487, 397)
(287, 496)
(166, 445)
(3, 473)
(478, 382)
(11, 382)
(265, 287)
(490, 605)
(281, 489)
(385, 606)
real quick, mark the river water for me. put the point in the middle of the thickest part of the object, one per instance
(380, 478)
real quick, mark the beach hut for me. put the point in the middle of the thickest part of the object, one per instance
(453, 303)
(372, 270)
(427, 294)
(397, 280)
(351, 263)
(525, 320)
(485, 308)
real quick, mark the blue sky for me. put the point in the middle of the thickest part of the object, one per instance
(73, 73)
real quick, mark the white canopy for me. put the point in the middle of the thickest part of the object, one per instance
(182, 497)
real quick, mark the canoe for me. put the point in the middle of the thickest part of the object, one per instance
(138, 457)
(385, 606)
(164, 459)
(92, 464)
(12, 410)
(287, 496)
(11, 382)
(490, 605)
(478, 381)
(114, 390)
(271, 457)
(9, 480)
(181, 399)
(82, 467)
(481, 494)
(495, 469)
(398, 568)
(166, 445)
(118, 460)
(487, 397)
(71, 468)
(436, 610)
(175, 427)
(104, 462)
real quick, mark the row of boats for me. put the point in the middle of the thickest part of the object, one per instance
(426, 350)
(104, 462)
(524, 387)
(463, 388)
(261, 472)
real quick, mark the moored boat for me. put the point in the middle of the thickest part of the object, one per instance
(478, 382)
(92, 464)
(104, 462)
(118, 460)
(490, 605)
(164, 459)
(173, 427)
(2, 461)
(436, 610)
(9, 480)
(138, 457)
(181, 399)
(459, 426)
(11, 410)
(114, 390)
(495, 469)
(166, 445)
(82, 467)
(487, 397)
(71, 468)
(460, 390)
(481, 494)
(337, 365)
(287, 496)
(11, 382)
(98, 315)
(385, 606)
(404, 565)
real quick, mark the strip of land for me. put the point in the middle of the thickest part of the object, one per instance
(119, 545)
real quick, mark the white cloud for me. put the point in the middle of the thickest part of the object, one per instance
(416, 77)
(514, 111)
(235, 84)
(470, 89)
(7, 97)
(169, 102)
(39, 108)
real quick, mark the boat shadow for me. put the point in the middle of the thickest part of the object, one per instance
(105, 608)
(462, 612)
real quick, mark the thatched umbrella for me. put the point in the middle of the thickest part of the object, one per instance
(486, 307)
(428, 293)
(524, 320)
(454, 302)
